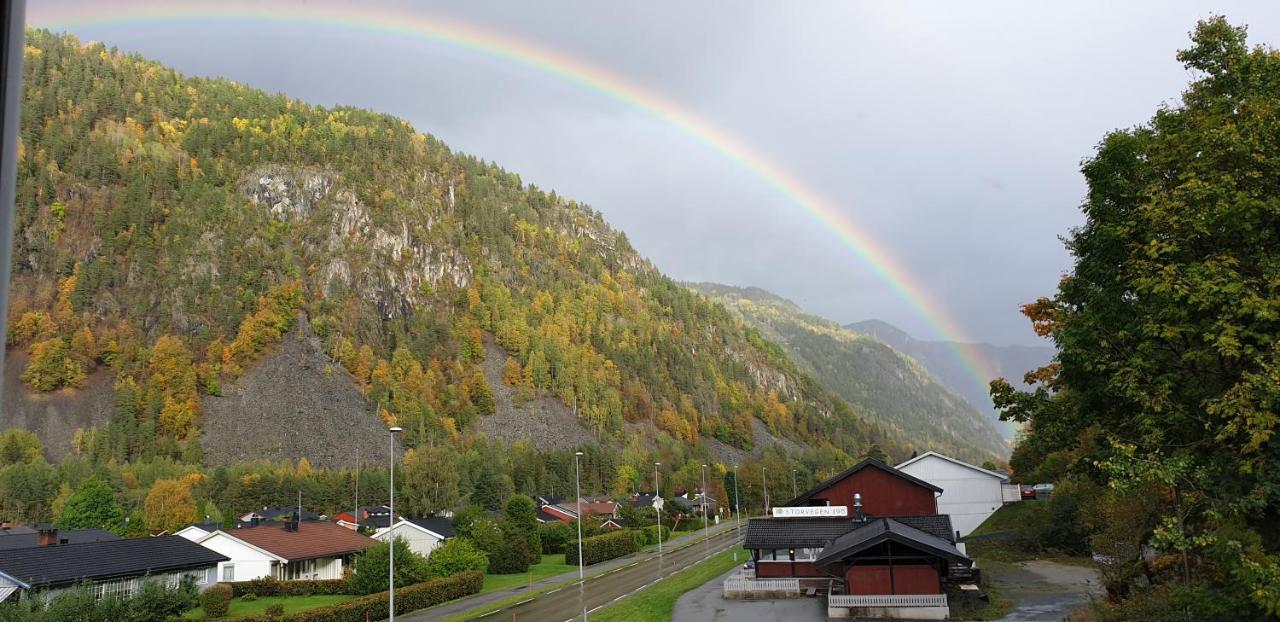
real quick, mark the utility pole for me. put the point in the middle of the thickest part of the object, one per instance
(764, 481)
(577, 487)
(356, 513)
(706, 533)
(793, 484)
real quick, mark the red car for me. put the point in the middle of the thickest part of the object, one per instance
(1028, 492)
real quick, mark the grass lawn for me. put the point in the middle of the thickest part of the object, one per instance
(291, 604)
(657, 602)
(550, 566)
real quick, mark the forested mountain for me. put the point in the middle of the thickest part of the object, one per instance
(174, 230)
(1009, 362)
(880, 383)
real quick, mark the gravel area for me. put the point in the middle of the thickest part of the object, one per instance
(545, 421)
(707, 604)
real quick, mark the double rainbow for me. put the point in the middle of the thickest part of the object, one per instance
(506, 47)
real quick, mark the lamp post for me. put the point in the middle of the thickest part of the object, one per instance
(793, 484)
(737, 512)
(656, 505)
(706, 533)
(577, 486)
(391, 543)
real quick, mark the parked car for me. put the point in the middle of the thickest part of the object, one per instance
(1043, 490)
(1028, 491)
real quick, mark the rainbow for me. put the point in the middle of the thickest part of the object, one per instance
(504, 46)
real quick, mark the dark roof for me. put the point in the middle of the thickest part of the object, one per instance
(546, 518)
(937, 525)
(435, 524)
(65, 536)
(866, 462)
(376, 522)
(71, 563)
(284, 513)
(782, 533)
(17, 530)
(642, 500)
(886, 529)
(313, 539)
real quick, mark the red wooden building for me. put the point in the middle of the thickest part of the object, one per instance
(872, 535)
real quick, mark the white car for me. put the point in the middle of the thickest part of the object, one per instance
(1043, 489)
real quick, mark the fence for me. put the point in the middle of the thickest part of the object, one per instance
(887, 600)
(741, 587)
(1011, 492)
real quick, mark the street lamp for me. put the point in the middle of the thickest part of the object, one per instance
(577, 486)
(737, 512)
(706, 533)
(391, 542)
(793, 484)
(657, 505)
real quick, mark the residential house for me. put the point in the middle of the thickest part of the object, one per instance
(47, 535)
(970, 494)
(289, 551)
(567, 512)
(370, 516)
(423, 535)
(873, 533)
(116, 567)
(198, 530)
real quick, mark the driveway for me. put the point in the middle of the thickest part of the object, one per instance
(1043, 590)
(707, 603)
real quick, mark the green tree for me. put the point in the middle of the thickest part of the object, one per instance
(455, 556)
(431, 476)
(520, 523)
(93, 505)
(19, 446)
(1167, 327)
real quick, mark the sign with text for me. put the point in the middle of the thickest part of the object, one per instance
(817, 511)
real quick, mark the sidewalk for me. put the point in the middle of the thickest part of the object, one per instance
(463, 605)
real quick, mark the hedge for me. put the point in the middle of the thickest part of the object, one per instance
(276, 587)
(601, 548)
(374, 606)
(216, 600)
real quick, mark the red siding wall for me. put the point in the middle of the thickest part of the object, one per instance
(868, 580)
(876, 580)
(883, 494)
(916, 580)
(784, 569)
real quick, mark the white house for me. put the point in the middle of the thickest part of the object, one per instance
(423, 535)
(969, 493)
(301, 551)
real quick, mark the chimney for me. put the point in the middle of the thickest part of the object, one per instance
(46, 535)
(858, 516)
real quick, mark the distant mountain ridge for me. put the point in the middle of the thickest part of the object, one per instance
(1009, 362)
(880, 383)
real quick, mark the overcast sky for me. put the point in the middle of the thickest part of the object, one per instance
(951, 131)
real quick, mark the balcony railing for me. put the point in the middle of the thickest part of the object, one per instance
(887, 600)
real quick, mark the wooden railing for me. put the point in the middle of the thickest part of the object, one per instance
(887, 600)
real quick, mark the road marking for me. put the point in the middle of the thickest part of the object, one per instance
(554, 591)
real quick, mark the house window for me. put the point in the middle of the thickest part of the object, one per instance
(114, 589)
(806, 555)
(229, 572)
(210, 576)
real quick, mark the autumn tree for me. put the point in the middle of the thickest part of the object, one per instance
(169, 506)
(430, 479)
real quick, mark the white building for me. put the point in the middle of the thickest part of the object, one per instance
(303, 551)
(423, 535)
(970, 494)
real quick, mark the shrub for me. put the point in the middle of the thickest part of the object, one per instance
(511, 556)
(601, 548)
(649, 535)
(216, 600)
(370, 568)
(374, 606)
(275, 587)
(554, 536)
(274, 611)
(250, 597)
(456, 556)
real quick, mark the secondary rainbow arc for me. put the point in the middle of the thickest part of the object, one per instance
(507, 47)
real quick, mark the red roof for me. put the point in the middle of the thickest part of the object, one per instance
(313, 539)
